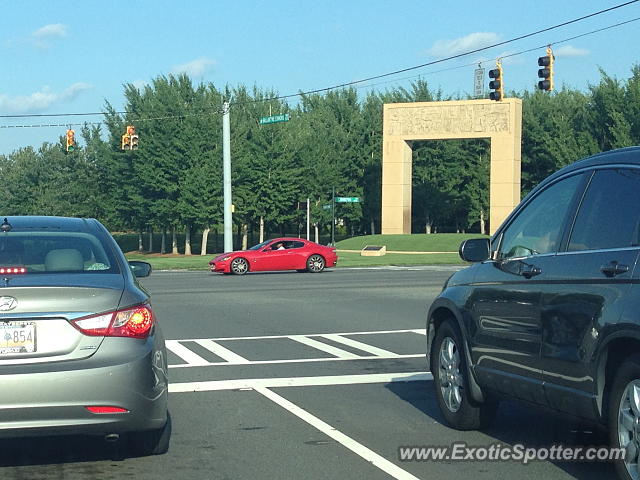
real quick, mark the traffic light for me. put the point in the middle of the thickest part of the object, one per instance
(130, 139)
(546, 73)
(131, 130)
(497, 84)
(71, 140)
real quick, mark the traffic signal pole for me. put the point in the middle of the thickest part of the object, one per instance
(226, 177)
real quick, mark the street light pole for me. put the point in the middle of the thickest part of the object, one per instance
(226, 178)
(333, 215)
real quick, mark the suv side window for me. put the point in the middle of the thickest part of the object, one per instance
(538, 227)
(608, 216)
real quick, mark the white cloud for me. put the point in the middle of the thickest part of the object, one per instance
(42, 37)
(473, 41)
(194, 68)
(570, 51)
(51, 30)
(41, 100)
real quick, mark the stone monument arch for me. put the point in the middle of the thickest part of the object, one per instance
(403, 123)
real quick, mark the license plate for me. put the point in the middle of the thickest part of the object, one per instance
(17, 337)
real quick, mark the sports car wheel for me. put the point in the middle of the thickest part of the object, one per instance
(315, 263)
(239, 266)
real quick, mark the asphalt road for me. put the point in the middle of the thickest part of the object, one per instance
(290, 376)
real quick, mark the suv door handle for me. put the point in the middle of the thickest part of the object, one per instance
(529, 271)
(614, 268)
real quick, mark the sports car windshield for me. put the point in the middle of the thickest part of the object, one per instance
(260, 245)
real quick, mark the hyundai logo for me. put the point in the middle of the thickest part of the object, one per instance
(8, 303)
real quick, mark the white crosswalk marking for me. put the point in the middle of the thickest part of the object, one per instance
(310, 342)
(184, 353)
(221, 351)
(365, 347)
(266, 385)
(229, 358)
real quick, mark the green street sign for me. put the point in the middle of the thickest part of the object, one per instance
(283, 117)
(347, 199)
(326, 207)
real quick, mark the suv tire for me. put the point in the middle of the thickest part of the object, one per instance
(624, 416)
(450, 375)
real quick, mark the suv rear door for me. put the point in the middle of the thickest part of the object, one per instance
(586, 286)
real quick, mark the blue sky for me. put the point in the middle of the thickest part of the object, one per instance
(69, 57)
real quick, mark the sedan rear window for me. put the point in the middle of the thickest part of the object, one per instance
(55, 252)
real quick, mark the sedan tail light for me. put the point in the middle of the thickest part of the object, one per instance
(12, 270)
(101, 409)
(135, 322)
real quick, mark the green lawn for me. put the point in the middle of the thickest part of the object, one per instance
(443, 242)
(345, 259)
(349, 259)
(440, 242)
(173, 262)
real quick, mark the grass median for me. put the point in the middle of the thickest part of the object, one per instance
(435, 249)
(345, 259)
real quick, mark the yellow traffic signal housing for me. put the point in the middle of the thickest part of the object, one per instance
(130, 139)
(546, 73)
(71, 140)
(497, 84)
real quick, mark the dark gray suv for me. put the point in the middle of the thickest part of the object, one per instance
(81, 351)
(549, 312)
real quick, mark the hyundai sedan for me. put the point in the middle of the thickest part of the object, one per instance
(81, 351)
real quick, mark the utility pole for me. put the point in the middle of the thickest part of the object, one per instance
(333, 215)
(226, 177)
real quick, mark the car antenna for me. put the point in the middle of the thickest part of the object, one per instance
(6, 226)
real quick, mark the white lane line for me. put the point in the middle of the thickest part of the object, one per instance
(420, 331)
(236, 384)
(346, 441)
(375, 332)
(310, 342)
(187, 355)
(365, 347)
(222, 352)
(295, 360)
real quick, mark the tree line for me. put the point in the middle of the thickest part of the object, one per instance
(333, 141)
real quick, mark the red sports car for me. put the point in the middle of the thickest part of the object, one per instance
(277, 254)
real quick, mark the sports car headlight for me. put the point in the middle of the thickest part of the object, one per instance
(224, 259)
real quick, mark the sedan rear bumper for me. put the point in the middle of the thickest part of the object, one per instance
(50, 402)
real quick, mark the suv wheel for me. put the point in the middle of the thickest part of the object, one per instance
(452, 384)
(624, 417)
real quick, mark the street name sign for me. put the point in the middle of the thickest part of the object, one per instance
(283, 117)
